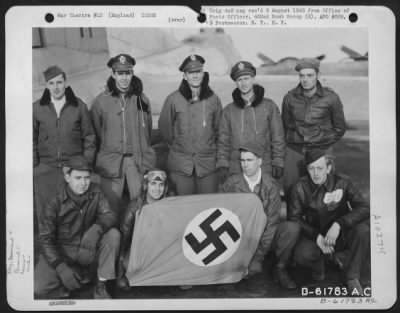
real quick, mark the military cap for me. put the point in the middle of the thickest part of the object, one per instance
(121, 62)
(52, 72)
(252, 147)
(307, 63)
(314, 155)
(242, 68)
(78, 163)
(193, 62)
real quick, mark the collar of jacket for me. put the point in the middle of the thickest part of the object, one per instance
(135, 88)
(258, 96)
(266, 180)
(298, 91)
(93, 188)
(205, 90)
(69, 97)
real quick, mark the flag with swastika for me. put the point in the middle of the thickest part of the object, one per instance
(195, 240)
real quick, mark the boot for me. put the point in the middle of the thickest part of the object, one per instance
(85, 275)
(100, 290)
(281, 275)
(64, 293)
(317, 276)
(255, 267)
(318, 271)
(123, 283)
(59, 293)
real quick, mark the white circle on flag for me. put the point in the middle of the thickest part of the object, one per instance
(212, 237)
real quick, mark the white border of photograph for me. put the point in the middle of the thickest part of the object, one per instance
(19, 22)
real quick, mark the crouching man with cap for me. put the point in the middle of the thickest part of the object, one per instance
(312, 118)
(122, 121)
(254, 179)
(189, 123)
(250, 118)
(76, 233)
(327, 214)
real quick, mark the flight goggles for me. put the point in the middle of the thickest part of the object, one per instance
(156, 175)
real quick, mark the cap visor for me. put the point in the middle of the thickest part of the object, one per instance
(122, 68)
(194, 68)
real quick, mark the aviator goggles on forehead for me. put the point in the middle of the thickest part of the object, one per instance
(156, 175)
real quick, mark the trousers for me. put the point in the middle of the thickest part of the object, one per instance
(113, 187)
(46, 181)
(284, 241)
(354, 241)
(188, 185)
(46, 280)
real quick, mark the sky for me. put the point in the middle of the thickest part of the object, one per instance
(278, 43)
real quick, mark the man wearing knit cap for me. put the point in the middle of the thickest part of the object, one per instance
(188, 123)
(274, 238)
(76, 235)
(312, 118)
(61, 128)
(122, 121)
(327, 213)
(250, 118)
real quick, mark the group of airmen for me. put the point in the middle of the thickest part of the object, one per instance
(247, 146)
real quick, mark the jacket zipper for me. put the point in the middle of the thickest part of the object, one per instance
(58, 140)
(123, 104)
(255, 121)
(58, 133)
(82, 223)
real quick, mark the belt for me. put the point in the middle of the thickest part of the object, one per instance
(127, 155)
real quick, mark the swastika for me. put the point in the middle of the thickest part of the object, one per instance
(212, 237)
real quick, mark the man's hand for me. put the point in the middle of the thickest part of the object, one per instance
(277, 172)
(68, 276)
(332, 234)
(223, 173)
(321, 244)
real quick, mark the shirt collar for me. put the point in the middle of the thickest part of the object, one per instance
(248, 102)
(62, 100)
(255, 183)
(195, 94)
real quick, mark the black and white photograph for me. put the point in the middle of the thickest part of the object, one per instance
(201, 163)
